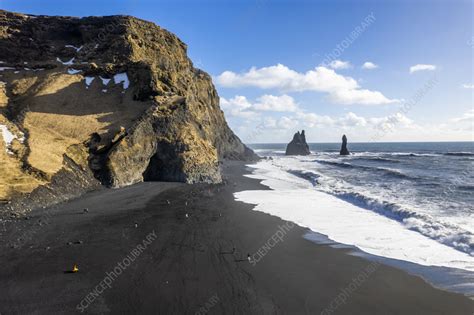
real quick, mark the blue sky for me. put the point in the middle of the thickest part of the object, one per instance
(294, 85)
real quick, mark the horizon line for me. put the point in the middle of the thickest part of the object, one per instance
(457, 141)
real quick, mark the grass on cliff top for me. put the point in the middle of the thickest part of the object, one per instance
(65, 112)
(13, 179)
(62, 112)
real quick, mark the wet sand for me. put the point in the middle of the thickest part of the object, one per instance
(169, 248)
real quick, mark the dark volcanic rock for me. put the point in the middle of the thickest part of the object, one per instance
(344, 150)
(104, 100)
(298, 145)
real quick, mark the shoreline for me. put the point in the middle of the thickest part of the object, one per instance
(341, 223)
(442, 278)
(198, 261)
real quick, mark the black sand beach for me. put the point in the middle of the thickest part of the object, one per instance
(168, 248)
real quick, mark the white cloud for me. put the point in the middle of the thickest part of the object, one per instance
(237, 102)
(357, 96)
(238, 106)
(283, 103)
(313, 120)
(339, 64)
(269, 122)
(466, 117)
(369, 65)
(351, 120)
(468, 86)
(283, 123)
(287, 123)
(422, 67)
(281, 77)
(394, 127)
(390, 122)
(341, 89)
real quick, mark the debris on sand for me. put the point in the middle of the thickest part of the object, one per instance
(75, 242)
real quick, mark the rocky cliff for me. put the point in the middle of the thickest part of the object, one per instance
(298, 145)
(102, 101)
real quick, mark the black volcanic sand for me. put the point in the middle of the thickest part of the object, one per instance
(191, 266)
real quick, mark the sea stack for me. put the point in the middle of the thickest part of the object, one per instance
(344, 150)
(298, 145)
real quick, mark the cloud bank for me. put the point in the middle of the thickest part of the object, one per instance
(340, 89)
(240, 106)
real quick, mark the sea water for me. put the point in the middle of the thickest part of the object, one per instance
(408, 203)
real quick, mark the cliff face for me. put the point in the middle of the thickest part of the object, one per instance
(103, 101)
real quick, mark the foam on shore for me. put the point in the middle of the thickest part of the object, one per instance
(295, 199)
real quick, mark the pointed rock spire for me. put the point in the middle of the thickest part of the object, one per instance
(298, 145)
(344, 150)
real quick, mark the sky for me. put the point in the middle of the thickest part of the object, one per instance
(374, 70)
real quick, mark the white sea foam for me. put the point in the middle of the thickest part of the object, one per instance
(295, 199)
(399, 203)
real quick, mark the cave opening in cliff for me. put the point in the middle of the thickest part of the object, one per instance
(164, 165)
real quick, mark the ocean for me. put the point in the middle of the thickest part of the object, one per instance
(408, 203)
